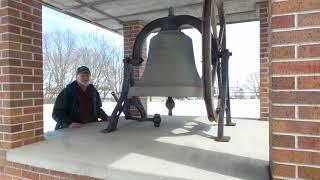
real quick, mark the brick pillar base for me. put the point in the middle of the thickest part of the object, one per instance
(130, 31)
(264, 61)
(295, 90)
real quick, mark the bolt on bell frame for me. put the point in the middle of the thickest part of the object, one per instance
(214, 67)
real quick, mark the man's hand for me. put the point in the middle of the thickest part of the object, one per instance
(75, 125)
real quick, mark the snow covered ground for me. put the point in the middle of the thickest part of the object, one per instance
(243, 108)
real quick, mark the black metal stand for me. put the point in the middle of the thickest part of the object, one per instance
(224, 97)
(124, 102)
(228, 107)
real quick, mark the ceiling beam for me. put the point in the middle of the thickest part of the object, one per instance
(151, 11)
(90, 4)
(80, 18)
(119, 19)
(99, 11)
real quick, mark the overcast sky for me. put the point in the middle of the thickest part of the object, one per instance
(242, 40)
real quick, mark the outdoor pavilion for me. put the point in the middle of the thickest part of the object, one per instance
(290, 96)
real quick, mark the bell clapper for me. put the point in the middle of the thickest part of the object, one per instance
(170, 105)
(156, 120)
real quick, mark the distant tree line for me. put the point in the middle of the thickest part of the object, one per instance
(249, 89)
(64, 52)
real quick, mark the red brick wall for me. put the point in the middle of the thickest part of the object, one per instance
(21, 97)
(130, 31)
(21, 80)
(15, 171)
(295, 89)
(264, 60)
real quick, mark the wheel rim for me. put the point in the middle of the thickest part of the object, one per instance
(212, 44)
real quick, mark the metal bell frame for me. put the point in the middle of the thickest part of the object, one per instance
(214, 66)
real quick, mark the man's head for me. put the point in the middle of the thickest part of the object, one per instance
(83, 76)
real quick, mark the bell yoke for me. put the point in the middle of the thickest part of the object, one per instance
(171, 71)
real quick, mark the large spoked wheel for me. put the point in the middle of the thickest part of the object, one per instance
(212, 46)
(215, 65)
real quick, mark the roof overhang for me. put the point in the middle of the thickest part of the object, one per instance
(111, 14)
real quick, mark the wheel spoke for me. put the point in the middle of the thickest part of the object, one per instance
(207, 57)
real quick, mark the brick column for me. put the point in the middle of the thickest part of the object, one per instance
(295, 89)
(21, 97)
(130, 31)
(264, 60)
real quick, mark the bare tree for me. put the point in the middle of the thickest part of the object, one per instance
(237, 91)
(116, 73)
(104, 59)
(253, 83)
(59, 56)
(64, 52)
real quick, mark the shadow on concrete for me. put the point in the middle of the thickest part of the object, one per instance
(218, 162)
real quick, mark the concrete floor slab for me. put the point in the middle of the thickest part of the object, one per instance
(182, 148)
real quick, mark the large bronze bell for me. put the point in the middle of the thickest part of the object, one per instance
(170, 70)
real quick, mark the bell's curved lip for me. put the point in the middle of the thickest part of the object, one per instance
(166, 91)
